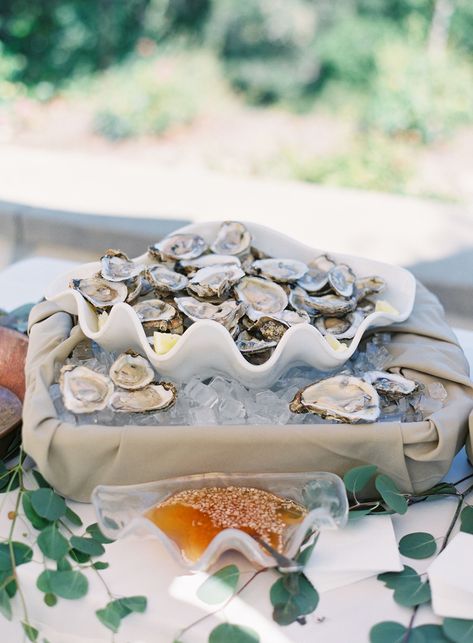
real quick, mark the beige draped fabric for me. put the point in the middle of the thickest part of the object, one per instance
(74, 459)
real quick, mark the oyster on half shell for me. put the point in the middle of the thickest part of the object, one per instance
(343, 398)
(248, 343)
(100, 292)
(131, 371)
(156, 314)
(153, 397)
(227, 313)
(83, 390)
(282, 270)
(165, 280)
(261, 296)
(179, 246)
(233, 238)
(215, 281)
(391, 385)
(116, 266)
(204, 261)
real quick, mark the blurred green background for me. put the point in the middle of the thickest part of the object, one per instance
(373, 94)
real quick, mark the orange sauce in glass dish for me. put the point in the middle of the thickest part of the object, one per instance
(192, 518)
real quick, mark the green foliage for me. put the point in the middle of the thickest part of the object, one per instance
(458, 630)
(229, 633)
(418, 545)
(220, 586)
(391, 495)
(113, 613)
(292, 597)
(87, 546)
(357, 478)
(466, 520)
(52, 543)
(48, 504)
(392, 632)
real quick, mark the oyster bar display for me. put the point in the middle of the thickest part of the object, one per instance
(237, 299)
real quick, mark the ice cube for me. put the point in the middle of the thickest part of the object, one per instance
(437, 391)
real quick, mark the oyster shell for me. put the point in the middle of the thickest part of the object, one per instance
(179, 246)
(100, 292)
(281, 270)
(134, 286)
(215, 281)
(342, 398)
(292, 317)
(131, 371)
(153, 397)
(248, 343)
(297, 299)
(342, 280)
(262, 297)
(369, 286)
(166, 280)
(340, 327)
(227, 313)
(233, 238)
(83, 390)
(116, 266)
(269, 328)
(156, 314)
(330, 305)
(390, 385)
(192, 265)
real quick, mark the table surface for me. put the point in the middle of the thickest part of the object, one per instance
(144, 567)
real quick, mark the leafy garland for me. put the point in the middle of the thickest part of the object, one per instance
(67, 555)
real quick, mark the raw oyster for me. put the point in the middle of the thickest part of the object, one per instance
(179, 246)
(165, 280)
(342, 280)
(116, 266)
(269, 328)
(369, 286)
(262, 297)
(153, 397)
(131, 371)
(292, 317)
(215, 281)
(316, 277)
(248, 343)
(297, 299)
(342, 398)
(192, 265)
(330, 305)
(100, 292)
(340, 327)
(233, 238)
(227, 313)
(390, 385)
(84, 390)
(281, 270)
(134, 289)
(155, 314)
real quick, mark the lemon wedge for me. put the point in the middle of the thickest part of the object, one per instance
(383, 306)
(335, 344)
(163, 342)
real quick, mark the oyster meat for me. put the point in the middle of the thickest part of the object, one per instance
(261, 297)
(153, 397)
(233, 238)
(390, 385)
(192, 265)
(330, 305)
(227, 313)
(100, 292)
(281, 270)
(155, 314)
(165, 280)
(340, 327)
(131, 371)
(215, 281)
(83, 390)
(342, 280)
(343, 398)
(116, 266)
(248, 343)
(179, 246)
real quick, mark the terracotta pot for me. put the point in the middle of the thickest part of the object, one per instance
(13, 347)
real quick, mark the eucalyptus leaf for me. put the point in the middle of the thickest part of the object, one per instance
(52, 543)
(418, 545)
(73, 517)
(50, 599)
(87, 546)
(37, 521)
(357, 514)
(229, 633)
(410, 593)
(429, 633)
(357, 478)
(306, 552)
(442, 489)
(388, 632)
(5, 604)
(8, 582)
(30, 631)
(48, 504)
(43, 581)
(63, 565)
(69, 584)
(40, 480)
(134, 603)
(79, 556)
(95, 533)
(99, 565)
(395, 579)
(390, 494)
(22, 554)
(220, 586)
(458, 630)
(110, 616)
(289, 605)
(466, 520)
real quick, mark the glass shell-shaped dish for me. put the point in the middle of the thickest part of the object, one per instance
(121, 510)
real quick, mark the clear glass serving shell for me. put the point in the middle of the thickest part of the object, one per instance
(121, 511)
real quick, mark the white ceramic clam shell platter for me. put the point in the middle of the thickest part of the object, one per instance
(120, 511)
(207, 347)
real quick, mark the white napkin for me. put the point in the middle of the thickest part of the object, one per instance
(451, 579)
(363, 549)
